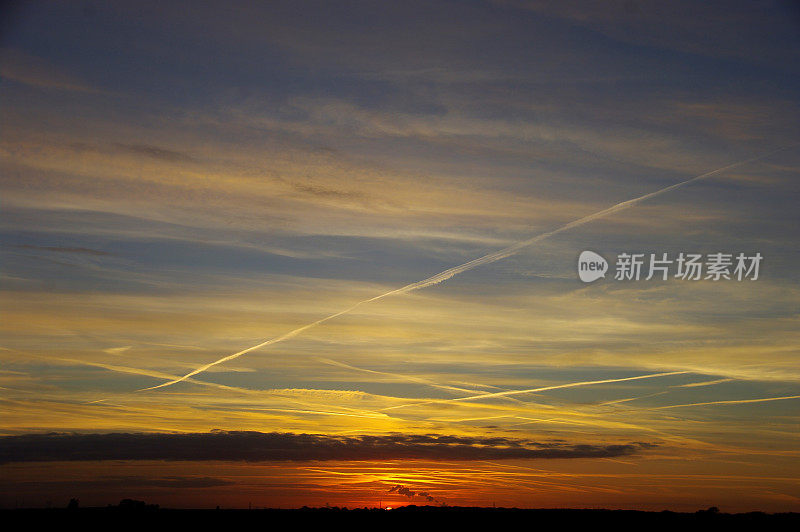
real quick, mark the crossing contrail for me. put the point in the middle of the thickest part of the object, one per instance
(536, 390)
(480, 261)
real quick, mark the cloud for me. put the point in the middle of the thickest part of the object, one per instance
(316, 190)
(131, 481)
(153, 152)
(60, 249)
(740, 31)
(472, 264)
(403, 490)
(117, 350)
(149, 151)
(254, 446)
(398, 376)
(25, 68)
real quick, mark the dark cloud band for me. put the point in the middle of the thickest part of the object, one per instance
(259, 446)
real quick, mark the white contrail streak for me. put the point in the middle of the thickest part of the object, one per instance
(542, 389)
(731, 402)
(705, 383)
(480, 261)
(568, 385)
(408, 378)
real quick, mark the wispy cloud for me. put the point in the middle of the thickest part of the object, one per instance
(29, 69)
(456, 270)
(61, 249)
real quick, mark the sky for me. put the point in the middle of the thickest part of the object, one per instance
(180, 182)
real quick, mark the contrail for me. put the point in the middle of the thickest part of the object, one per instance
(408, 378)
(132, 371)
(569, 385)
(705, 383)
(158, 374)
(542, 389)
(480, 261)
(629, 399)
(731, 402)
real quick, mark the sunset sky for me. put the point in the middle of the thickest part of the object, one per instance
(181, 181)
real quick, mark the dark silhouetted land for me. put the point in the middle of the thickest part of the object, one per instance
(132, 515)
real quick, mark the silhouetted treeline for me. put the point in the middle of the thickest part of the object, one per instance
(137, 513)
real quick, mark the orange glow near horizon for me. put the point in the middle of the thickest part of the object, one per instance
(522, 484)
